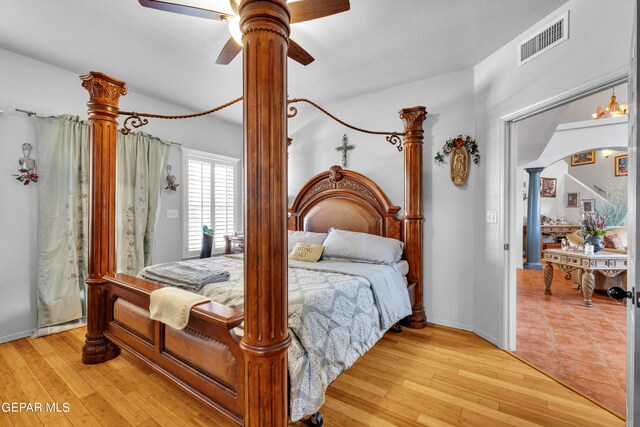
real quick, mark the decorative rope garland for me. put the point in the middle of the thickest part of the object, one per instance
(137, 120)
(392, 137)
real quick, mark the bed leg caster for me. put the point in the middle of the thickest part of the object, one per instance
(316, 420)
(396, 329)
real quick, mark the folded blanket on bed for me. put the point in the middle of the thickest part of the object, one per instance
(172, 306)
(184, 275)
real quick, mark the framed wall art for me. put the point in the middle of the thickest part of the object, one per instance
(621, 165)
(584, 158)
(587, 206)
(572, 200)
(548, 187)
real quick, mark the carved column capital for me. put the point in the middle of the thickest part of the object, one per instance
(534, 171)
(413, 119)
(104, 94)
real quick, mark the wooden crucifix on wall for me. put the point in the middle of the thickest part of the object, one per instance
(344, 148)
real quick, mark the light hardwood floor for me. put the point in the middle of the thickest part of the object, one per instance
(434, 377)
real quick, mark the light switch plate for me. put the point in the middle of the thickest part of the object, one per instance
(173, 213)
(492, 217)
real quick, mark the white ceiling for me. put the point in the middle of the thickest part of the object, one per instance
(376, 45)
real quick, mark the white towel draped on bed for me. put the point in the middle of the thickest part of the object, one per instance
(172, 306)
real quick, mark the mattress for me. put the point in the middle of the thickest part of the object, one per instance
(337, 311)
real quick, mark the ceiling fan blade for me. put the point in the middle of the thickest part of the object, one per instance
(307, 10)
(234, 6)
(298, 54)
(185, 10)
(229, 51)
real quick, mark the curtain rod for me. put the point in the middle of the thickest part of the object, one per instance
(28, 113)
(32, 113)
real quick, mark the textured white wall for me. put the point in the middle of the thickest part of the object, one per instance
(502, 88)
(448, 210)
(35, 86)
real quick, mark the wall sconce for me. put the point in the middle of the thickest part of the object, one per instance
(28, 168)
(606, 153)
(172, 185)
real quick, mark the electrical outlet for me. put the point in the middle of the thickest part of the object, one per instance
(173, 213)
(492, 217)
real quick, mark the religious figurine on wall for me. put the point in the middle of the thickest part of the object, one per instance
(461, 149)
(344, 148)
(459, 165)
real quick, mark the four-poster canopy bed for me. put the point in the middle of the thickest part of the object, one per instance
(245, 377)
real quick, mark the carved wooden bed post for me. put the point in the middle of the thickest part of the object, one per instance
(413, 138)
(265, 28)
(104, 93)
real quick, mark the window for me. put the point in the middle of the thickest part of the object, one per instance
(210, 198)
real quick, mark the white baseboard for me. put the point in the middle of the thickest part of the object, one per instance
(16, 336)
(493, 340)
(450, 324)
(467, 328)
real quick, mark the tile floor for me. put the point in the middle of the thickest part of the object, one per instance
(584, 347)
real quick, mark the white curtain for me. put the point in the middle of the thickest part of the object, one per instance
(63, 162)
(141, 170)
(63, 194)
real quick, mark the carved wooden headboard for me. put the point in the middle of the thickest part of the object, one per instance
(346, 200)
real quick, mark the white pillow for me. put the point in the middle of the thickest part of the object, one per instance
(305, 237)
(401, 267)
(362, 246)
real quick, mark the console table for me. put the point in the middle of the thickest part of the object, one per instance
(555, 231)
(608, 264)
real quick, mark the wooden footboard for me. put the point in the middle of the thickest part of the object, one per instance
(204, 359)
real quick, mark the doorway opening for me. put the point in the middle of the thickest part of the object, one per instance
(562, 164)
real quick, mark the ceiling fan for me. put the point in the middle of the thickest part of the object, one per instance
(301, 11)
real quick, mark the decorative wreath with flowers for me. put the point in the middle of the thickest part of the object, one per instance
(459, 141)
(25, 176)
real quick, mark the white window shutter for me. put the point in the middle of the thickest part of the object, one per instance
(210, 199)
(224, 202)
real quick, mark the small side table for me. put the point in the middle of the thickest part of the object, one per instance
(233, 244)
(609, 264)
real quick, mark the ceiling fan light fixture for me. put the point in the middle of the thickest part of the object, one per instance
(234, 29)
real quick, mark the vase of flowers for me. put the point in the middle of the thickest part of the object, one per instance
(593, 229)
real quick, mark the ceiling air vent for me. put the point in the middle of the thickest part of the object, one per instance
(541, 41)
